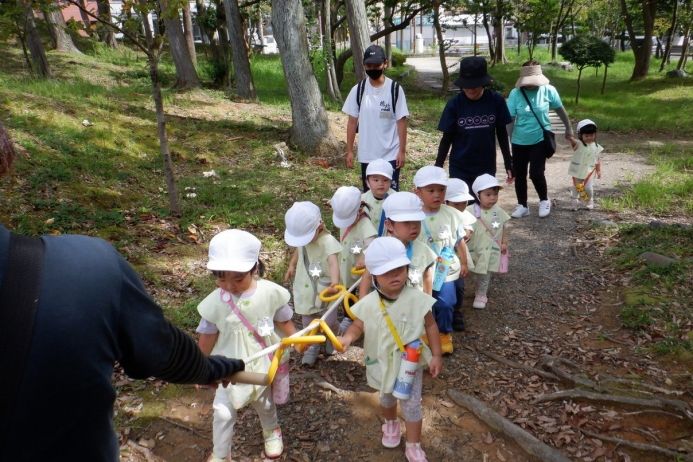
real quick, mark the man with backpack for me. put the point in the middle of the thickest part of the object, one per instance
(377, 110)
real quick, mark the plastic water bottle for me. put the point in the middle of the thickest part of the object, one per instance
(407, 370)
(442, 266)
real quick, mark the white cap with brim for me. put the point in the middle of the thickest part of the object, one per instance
(485, 181)
(345, 203)
(429, 175)
(457, 191)
(531, 76)
(385, 254)
(403, 206)
(380, 167)
(233, 250)
(584, 123)
(301, 220)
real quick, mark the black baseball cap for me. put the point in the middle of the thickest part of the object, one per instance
(374, 55)
(473, 73)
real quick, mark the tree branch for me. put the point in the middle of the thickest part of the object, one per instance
(641, 446)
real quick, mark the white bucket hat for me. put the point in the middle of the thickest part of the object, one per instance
(345, 203)
(233, 250)
(430, 175)
(403, 206)
(531, 76)
(380, 167)
(585, 122)
(302, 219)
(385, 254)
(457, 191)
(485, 181)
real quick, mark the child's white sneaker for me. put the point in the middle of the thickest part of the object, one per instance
(311, 355)
(520, 211)
(274, 445)
(392, 433)
(414, 453)
(480, 302)
(544, 208)
(576, 205)
(590, 205)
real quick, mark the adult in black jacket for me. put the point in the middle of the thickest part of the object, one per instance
(92, 312)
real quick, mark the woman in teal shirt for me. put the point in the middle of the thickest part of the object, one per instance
(527, 135)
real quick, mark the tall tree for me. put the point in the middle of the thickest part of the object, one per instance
(328, 56)
(186, 75)
(441, 47)
(565, 8)
(56, 25)
(106, 34)
(188, 32)
(245, 88)
(670, 36)
(310, 129)
(359, 36)
(39, 61)
(500, 12)
(641, 51)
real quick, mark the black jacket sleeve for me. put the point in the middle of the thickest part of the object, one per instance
(443, 149)
(504, 144)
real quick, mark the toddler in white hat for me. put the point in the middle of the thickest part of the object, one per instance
(585, 164)
(379, 178)
(407, 312)
(489, 242)
(240, 318)
(443, 231)
(314, 265)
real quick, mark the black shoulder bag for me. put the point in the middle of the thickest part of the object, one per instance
(19, 298)
(549, 142)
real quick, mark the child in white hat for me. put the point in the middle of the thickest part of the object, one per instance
(456, 196)
(443, 231)
(379, 179)
(391, 317)
(314, 266)
(403, 216)
(240, 318)
(585, 164)
(489, 242)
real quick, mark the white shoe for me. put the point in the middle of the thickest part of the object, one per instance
(576, 204)
(544, 208)
(520, 211)
(590, 205)
(480, 302)
(274, 446)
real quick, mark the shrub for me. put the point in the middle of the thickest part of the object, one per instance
(398, 57)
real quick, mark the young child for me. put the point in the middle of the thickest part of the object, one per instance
(489, 242)
(239, 319)
(443, 232)
(379, 178)
(393, 316)
(355, 234)
(456, 196)
(314, 266)
(403, 215)
(585, 163)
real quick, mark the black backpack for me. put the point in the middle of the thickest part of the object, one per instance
(361, 87)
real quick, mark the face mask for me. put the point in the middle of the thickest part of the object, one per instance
(374, 73)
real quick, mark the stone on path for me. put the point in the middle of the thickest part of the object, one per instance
(658, 260)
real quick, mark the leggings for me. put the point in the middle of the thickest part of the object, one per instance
(531, 156)
(483, 281)
(395, 176)
(411, 408)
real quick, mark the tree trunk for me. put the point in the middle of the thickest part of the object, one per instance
(188, 32)
(86, 20)
(499, 32)
(684, 48)
(484, 20)
(39, 62)
(642, 52)
(387, 22)
(441, 47)
(606, 71)
(106, 34)
(330, 76)
(359, 36)
(241, 64)
(186, 75)
(670, 37)
(56, 25)
(577, 95)
(310, 129)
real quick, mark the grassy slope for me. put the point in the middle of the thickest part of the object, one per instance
(106, 179)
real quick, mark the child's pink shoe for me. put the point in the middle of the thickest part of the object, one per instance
(392, 433)
(414, 453)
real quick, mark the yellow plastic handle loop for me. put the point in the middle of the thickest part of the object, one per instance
(330, 298)
(349, 299)
(330, 335)
(357, 271)
(304, 340)
(274, 365)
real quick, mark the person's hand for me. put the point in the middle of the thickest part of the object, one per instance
(289, 275)
(599, 174)
(510, 178)
(344, 342)
(570, 137)
(435, 366)
(464, 270)
(399, 162)
(349, 159)
(331, 290)
(504, 247)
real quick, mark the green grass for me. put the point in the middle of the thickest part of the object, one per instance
(669, 190)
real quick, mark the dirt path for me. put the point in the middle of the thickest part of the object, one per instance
(554, 301)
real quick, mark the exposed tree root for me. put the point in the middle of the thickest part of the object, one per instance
(641, 446)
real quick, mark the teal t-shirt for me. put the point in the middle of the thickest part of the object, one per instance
(526, 130)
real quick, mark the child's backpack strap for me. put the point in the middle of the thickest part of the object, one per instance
(360, 88)
(394, 95)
